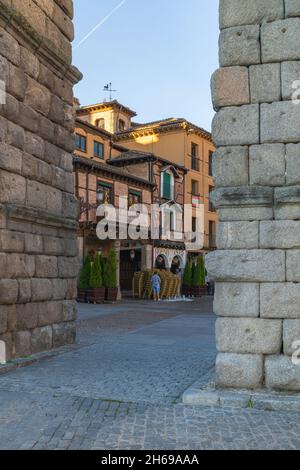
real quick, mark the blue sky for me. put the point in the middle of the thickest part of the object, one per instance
(159, 55)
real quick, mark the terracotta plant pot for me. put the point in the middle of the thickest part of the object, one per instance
(81, 297)
(96, 296)
(111, 294)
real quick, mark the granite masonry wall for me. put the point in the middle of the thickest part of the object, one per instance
(38, 211)
(257, 173)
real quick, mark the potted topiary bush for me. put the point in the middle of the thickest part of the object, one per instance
(84, 280)
(110, 277)
(96, 293)
(187, 280)
(199, 285)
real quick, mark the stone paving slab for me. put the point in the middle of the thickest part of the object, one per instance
(121, 388)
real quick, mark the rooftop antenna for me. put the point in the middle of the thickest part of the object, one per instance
(108, 89)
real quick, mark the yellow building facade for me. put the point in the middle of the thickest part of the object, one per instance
(176, 140)
(185, 144)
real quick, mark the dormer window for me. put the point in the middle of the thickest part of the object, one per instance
(121, 125)
(100, 123)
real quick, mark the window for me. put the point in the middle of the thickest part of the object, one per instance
(134, 197)
(98, 150)
(210, 161)
(100, 123)
(194, 224)
(167, 185)
(195, 155)
(212, 234)
(104, 193)
(211, 206)
(195, 191)
(121, 125)
(80, 143)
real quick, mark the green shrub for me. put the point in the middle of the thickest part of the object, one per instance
(199, 272)
(187, 276)
(85, 273)
(96, 280)
(110, 270)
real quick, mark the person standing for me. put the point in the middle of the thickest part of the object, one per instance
(156, 284)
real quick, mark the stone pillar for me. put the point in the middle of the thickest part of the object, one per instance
(117, 248)
(257, 174)
(38, 210)
(147, 257)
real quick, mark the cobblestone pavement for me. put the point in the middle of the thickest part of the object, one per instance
(120, 388)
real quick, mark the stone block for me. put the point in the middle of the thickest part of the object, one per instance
(245, 12)
(11, 241)
(247, 265)
(64, 333)
(239, 371)
(71, 293)
(68, 267)
(29, 166)
(69, 310)
(15, 135)
(240, 46)
(280, 300)
(280, 40)
(282, 374)
(29, 63)
(54, 200)
(9, 47)
(293, 265)
(22, 340)
(10, 158)
(290, 73)
(265, 83)
(242, 196)
(29, 119)
(237, 235)
(36, 195)
(41, 339)
(280, 234)
(37, 97)
(267, 164)
(59, 289)
(280, 122)
(292, 8)
(3, 319)
(287, 203)
(233, 299)
(46, 266)
(54, 246)
(24, 291)
(19, 266)
(249, 335)
(49, 313)
(34, 145)
(230, 214)
(230, 166)
(230, 87)
(17, 82)
(33, 243)
(291, 337)
(12, 188)
(293, 163)
(8, 291)
(236, 126)
(70, 208)
(27, 316)
(41, 289)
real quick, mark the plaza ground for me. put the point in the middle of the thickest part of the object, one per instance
(120, 387)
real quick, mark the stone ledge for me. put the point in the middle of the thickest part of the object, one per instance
(38, 216)
(205, 393)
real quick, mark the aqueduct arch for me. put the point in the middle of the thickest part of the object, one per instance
(256, 167)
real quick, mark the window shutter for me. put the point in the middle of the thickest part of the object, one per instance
(167, 186)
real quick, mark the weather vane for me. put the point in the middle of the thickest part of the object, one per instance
(108, 89)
